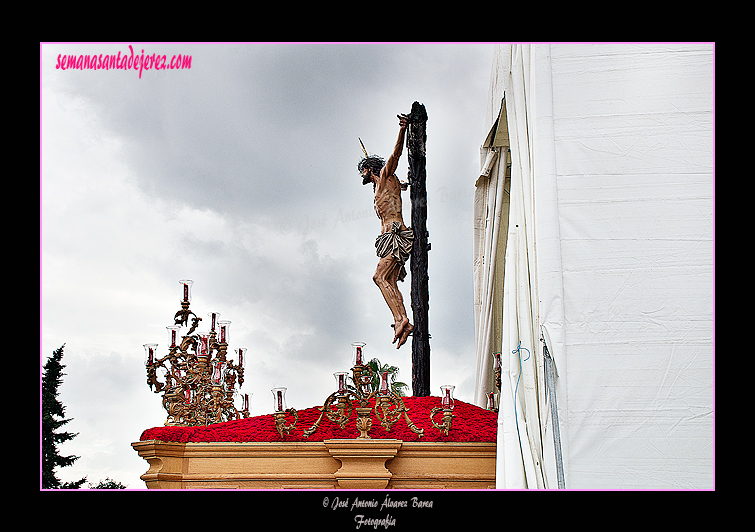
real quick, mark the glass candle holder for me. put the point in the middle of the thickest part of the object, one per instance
(492, 401)
(224, 331)
(149, 354)
(246, 402)
(341, 380)
(279, 399)
(384, 382)
(173, 334)
(217, 372)
(496, 361)
(357, 358)
(447, 396)
(204, 344)
(241, 351)
(213, 319)
(186, 284)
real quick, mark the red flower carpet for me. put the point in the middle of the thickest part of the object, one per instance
(471, 424)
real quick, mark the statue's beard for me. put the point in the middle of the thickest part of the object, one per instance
(366, 180)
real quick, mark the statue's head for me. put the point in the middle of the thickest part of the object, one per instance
(372, 164)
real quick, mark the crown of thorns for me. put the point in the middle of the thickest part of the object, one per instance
(373, 162)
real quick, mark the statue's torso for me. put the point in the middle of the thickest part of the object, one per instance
(388, 205)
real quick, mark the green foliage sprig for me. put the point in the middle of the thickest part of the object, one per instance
(378, 368)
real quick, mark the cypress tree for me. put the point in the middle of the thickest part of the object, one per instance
(53, 418)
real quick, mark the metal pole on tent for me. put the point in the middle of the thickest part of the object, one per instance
(550, 390)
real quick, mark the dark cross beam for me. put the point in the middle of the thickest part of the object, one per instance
(420, 294)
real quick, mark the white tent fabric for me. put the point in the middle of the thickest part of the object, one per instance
(603, 249)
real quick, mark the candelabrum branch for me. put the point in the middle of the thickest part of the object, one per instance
(280, 421)
(448, 416)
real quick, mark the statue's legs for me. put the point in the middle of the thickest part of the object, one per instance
(386, 278)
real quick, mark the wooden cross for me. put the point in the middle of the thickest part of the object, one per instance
(418, 262)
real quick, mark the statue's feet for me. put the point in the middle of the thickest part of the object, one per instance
(402, 331)
(405, 334)
(398, 328)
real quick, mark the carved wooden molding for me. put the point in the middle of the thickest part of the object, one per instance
(331, 464)
(363, 462)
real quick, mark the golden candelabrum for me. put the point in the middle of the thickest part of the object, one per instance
(338, 407)
(199, 380)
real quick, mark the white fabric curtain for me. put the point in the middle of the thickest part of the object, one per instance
(605, 232)
(490, 223)
(523, 413)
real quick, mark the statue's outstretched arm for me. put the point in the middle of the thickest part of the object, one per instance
(392, 163)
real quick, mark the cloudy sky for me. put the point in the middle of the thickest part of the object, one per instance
(240, 174)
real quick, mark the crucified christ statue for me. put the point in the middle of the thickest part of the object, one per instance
(394, 244)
